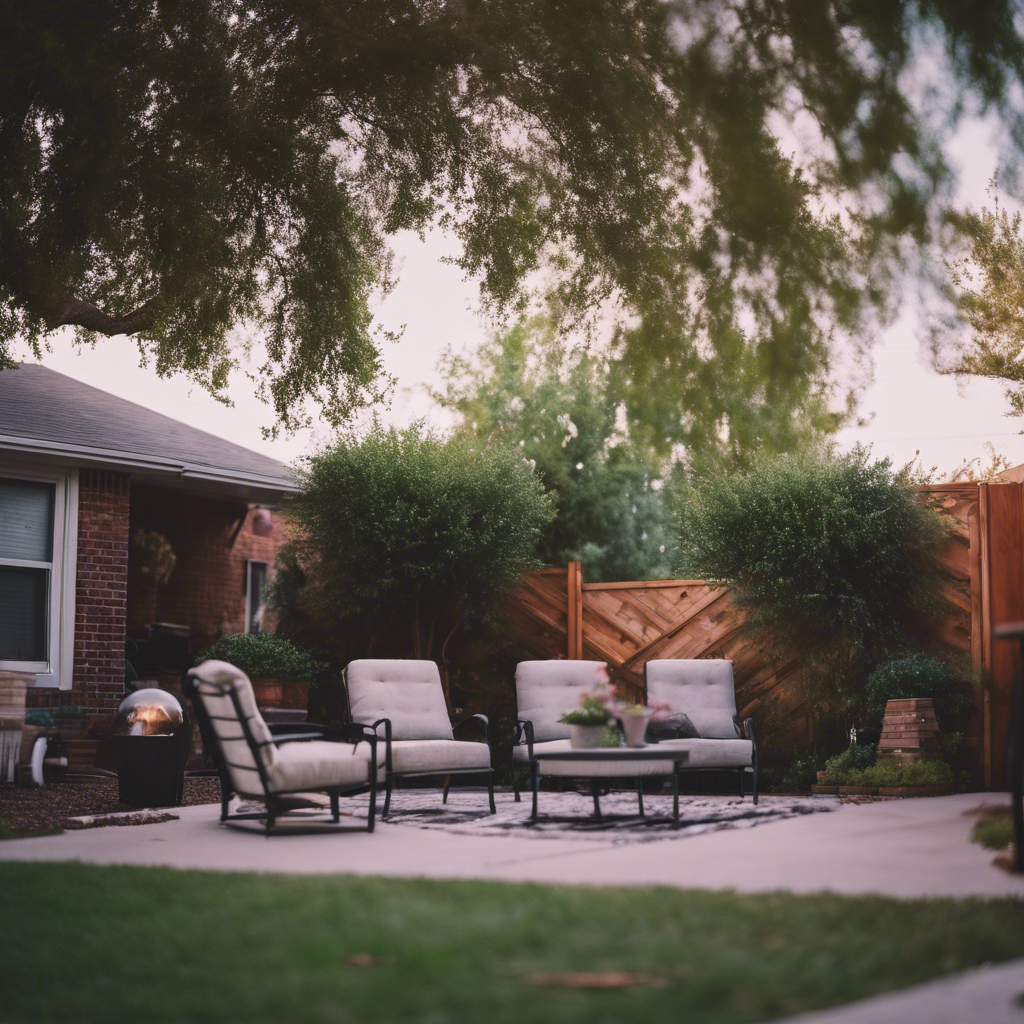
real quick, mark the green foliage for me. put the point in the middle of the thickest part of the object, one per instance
(994, 833)
(180, 171)
(798, 775)
(408, 524)
(853, 768)
(988, 281)
(264, 655)
(561, 409)
(918, 676)
(830, 553)
(591, 711)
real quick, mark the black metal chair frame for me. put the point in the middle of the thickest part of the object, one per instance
(276, 802)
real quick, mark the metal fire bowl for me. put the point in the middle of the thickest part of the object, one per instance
(150, 712)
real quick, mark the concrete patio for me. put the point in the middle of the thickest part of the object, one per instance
(901, 848)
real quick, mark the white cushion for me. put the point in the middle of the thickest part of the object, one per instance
(702, 688)
(438, 755)
(588, 768)
(319, 764)
(211, 679)
(546, 690)
(406, 691)
(706, 753)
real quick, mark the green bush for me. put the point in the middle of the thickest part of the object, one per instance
(411, 531)
(854, 759)
(829, 553)
(265, 655)
(994, 833)
(843, 770)
(917, 676)
(799, 774)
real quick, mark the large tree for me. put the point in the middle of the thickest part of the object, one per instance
(732, 173)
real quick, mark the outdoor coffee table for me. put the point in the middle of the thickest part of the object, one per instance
(582, 755)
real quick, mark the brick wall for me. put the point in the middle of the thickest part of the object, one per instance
(212, 540)
(101, 589)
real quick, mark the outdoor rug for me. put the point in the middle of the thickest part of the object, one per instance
(571, 815)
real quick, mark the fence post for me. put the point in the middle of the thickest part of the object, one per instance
(574, 626)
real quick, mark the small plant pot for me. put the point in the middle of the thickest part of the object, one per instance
(586, 737)
(634, 728)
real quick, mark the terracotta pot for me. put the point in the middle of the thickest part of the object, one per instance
(273, 693)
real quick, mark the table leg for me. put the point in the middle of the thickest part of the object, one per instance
(640, 795)
(533, 781)
(675, 796)
(597, 805)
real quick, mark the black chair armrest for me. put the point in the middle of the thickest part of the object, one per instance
(524, 732)
(386, 722)
(484, 724)
(293, 729)
(749, 734)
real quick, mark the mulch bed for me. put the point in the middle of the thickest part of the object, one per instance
(26, 810)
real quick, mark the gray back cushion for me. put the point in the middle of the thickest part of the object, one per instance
(214, 681)
(702, 689)
(545, 690)
(406, 691)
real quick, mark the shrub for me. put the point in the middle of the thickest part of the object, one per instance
(917, 676)
(843, 770)
(855, 759)
(799, 774)
(828, 553)
(408, 529)
(994, 833)
(265, 654)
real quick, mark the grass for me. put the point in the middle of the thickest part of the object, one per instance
(994, 833)
(117, 943)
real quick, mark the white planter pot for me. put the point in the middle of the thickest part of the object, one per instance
(634, 727)
(586, 736)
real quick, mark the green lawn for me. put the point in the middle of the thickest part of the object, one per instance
(100, 944)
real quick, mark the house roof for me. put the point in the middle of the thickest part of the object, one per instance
(45, 412)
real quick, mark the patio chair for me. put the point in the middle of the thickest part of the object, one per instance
(704, 690)
(406, 699)
(277, 767)
(545, 690)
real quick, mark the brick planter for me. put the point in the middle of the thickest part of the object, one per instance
(273, 693)
(824, 790)
(915, 790)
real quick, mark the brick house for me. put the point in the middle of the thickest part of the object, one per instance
(96, 494)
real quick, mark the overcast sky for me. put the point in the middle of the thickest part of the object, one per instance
(909, 407)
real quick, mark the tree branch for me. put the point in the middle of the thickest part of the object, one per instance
(72, 311)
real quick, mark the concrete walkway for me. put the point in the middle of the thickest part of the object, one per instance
(902, 848)
(988, 995)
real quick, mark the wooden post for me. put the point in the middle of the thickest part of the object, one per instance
(574, 626)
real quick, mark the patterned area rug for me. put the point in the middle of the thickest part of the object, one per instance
(571, 815)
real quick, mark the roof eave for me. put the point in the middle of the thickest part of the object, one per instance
(145, 463)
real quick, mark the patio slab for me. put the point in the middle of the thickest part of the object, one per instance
(901, 848)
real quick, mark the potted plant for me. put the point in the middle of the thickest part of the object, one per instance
(588, 722)
(281, 673)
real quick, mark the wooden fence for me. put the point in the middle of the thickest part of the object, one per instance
(554, 614)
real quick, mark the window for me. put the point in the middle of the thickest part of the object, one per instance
(255, 596)
(36, 606)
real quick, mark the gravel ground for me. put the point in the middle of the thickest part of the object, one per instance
(25, 810)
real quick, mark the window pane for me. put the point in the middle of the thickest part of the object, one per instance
(23, 614)
(26, 520)
(257, 585)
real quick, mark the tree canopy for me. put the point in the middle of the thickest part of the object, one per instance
(736, 177)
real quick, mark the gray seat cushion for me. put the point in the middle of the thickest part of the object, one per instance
(589, 769)
(706, 753)
(545, 690)
(702, 689)
(438, 756)
(319, 764)
(406, 691)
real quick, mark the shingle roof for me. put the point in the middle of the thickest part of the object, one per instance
(42, 410)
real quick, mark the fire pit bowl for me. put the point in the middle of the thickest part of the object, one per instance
(151, 740)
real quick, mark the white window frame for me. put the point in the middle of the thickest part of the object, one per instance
(56, 671)
(249, 563)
